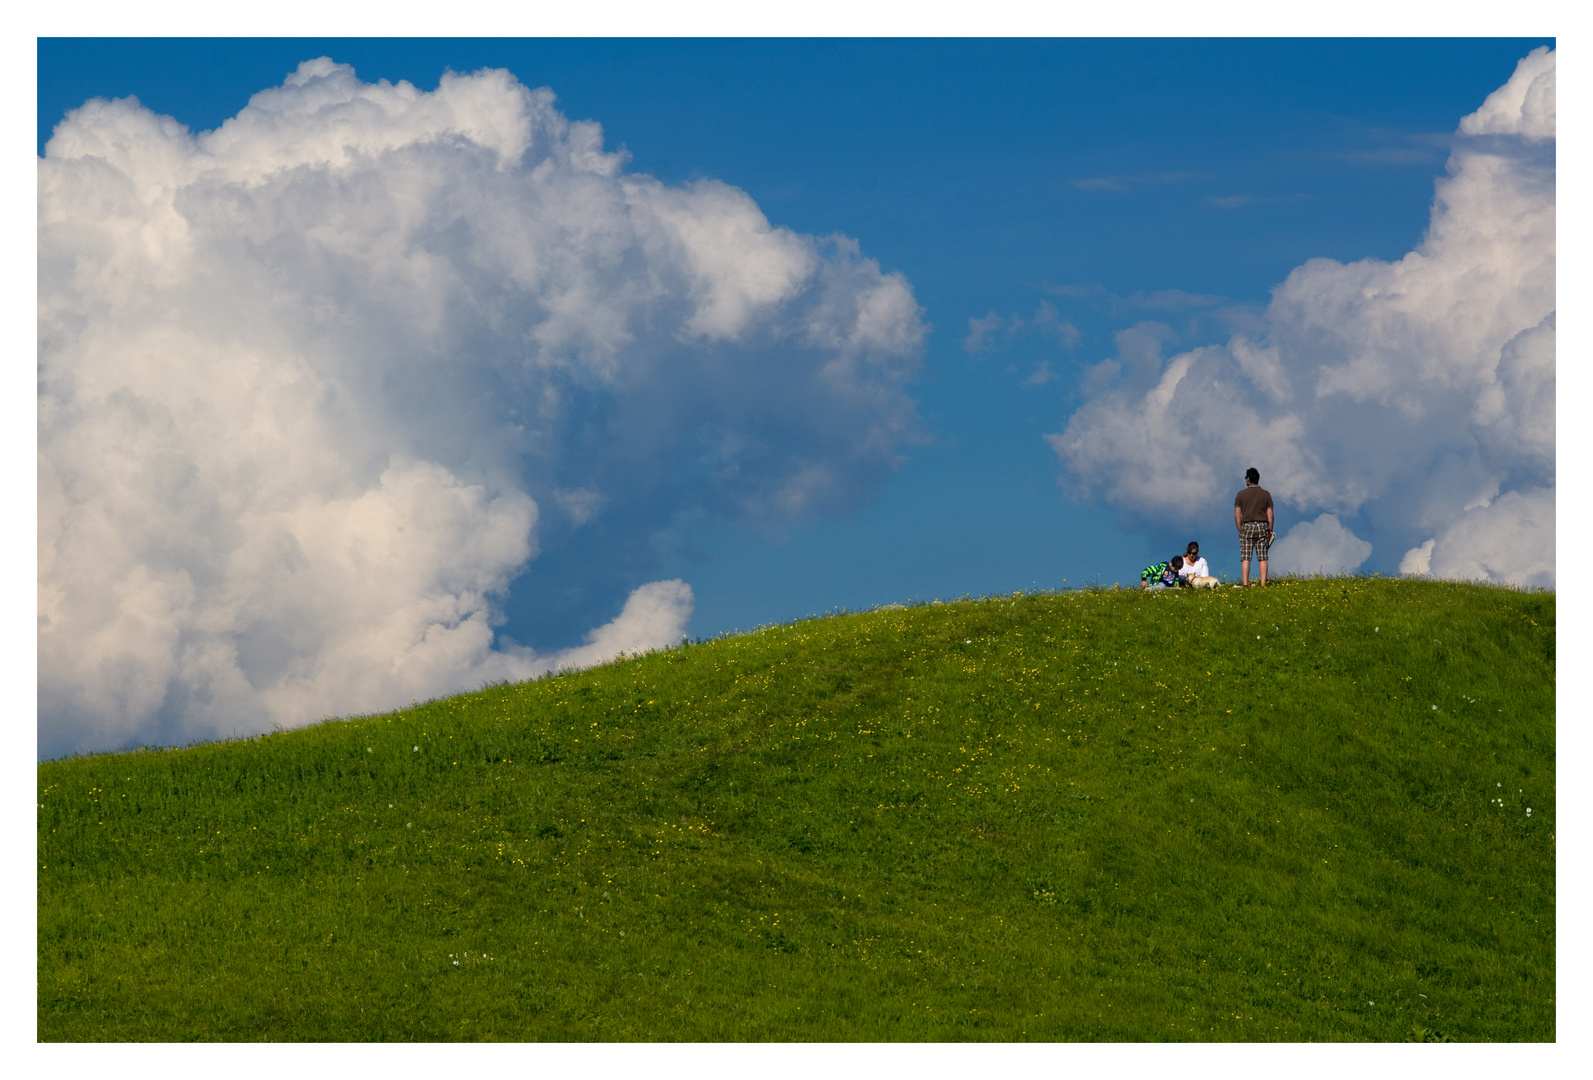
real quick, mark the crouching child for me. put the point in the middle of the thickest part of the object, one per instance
(1162, 575)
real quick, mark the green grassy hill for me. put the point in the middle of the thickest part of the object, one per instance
(1280, 814)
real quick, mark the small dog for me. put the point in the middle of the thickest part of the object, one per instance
(1202, 582)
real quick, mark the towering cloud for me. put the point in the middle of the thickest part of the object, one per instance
(1412, 401)
(316, 386)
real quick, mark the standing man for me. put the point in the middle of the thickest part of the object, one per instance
(1252, 516)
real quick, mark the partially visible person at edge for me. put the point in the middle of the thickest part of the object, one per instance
(1194, 565)
(1252, 516)
(1162, 575)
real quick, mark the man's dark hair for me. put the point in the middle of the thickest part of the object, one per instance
(1252, 476)
(1177, 562)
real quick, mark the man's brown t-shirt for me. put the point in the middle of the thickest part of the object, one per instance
(1253, 503)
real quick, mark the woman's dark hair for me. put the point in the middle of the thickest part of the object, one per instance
(1192, 549)
(1251, 476)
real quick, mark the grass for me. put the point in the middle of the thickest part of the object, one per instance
(1292, 813)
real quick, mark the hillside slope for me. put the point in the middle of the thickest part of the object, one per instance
(1291, 813)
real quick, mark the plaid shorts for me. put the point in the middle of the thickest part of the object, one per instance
(1254, 536)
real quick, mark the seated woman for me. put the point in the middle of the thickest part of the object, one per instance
(1194, 565)
(1162, 575)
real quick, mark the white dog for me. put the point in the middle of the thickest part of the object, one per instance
(1201, 582)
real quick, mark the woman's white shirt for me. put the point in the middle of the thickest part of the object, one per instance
(1195, 569)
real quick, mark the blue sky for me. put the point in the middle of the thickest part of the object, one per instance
(1065, 191)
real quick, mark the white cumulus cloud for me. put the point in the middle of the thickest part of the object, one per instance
(1409, 401)
(1323, 546)
(317, 388)
(1509, 539)
(656, 612)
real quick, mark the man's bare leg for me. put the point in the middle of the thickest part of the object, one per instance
(1244, 574)
(1263, 564)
